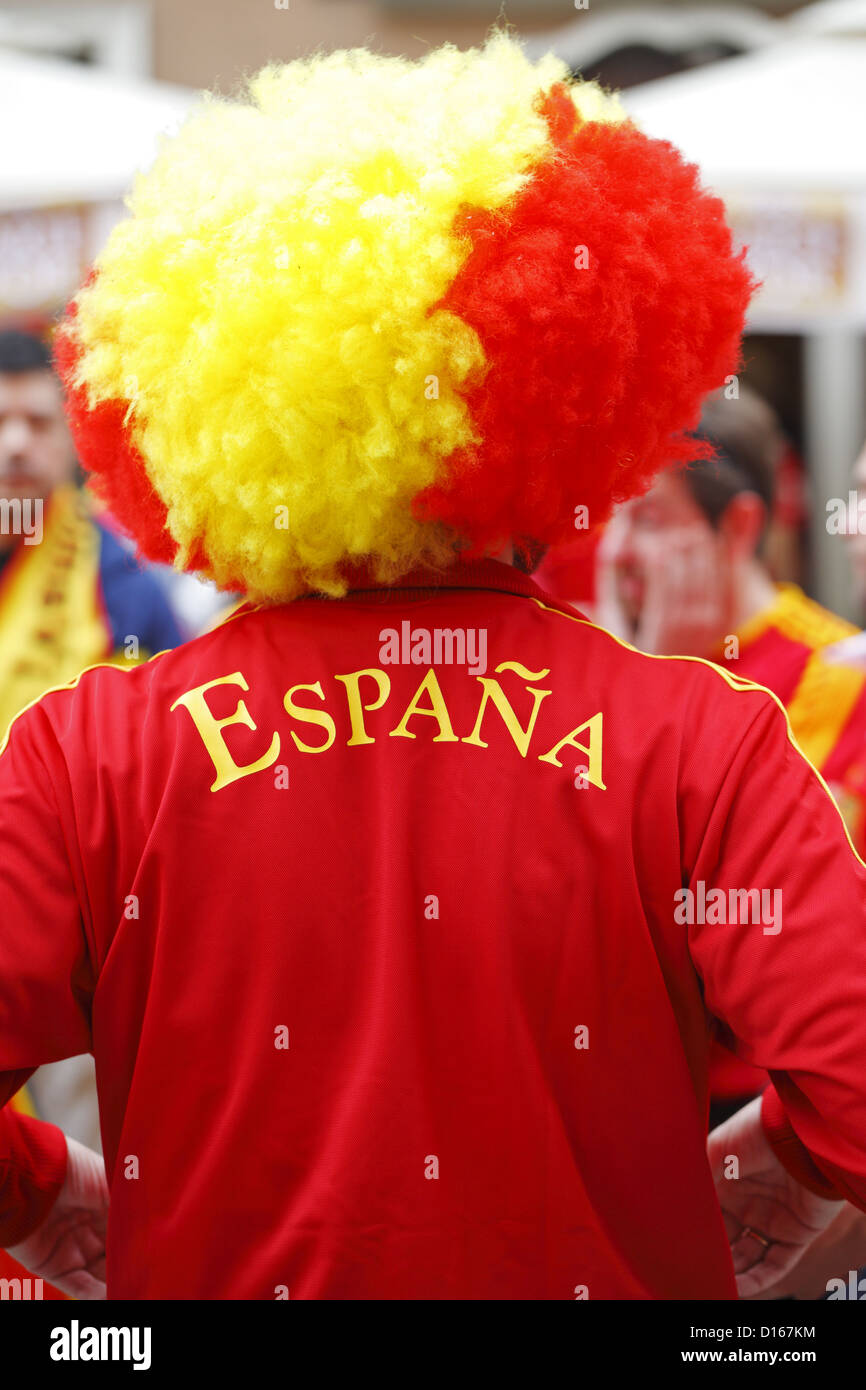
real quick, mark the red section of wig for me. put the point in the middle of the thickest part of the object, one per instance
(105, 449)
(594, 372)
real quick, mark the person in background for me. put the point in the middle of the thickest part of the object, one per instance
(850, 650)
(71, 594)
(857, 531)
(571, 571)
(751, 428)
(683, 571)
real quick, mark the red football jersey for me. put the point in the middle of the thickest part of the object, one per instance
(393, 925)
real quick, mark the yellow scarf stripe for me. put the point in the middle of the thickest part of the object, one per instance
(51, 620)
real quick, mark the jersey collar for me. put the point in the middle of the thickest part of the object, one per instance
(463, 574)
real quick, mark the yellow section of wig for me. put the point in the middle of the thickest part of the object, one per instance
(265, 308)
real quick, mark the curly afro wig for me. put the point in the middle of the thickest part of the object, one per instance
(382, 312)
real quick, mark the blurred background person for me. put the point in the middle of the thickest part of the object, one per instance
(71, 595)
(850, 650)
(853, 648)
(683, 571)
(753, 430)
(857, 537)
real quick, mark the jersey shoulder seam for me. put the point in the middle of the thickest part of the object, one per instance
(738, 683)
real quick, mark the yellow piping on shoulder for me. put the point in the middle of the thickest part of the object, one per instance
(71, 684)
(735, 682)
(114, 665)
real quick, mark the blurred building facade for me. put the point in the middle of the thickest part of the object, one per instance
(202, 43)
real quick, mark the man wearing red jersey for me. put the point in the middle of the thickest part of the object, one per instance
(682, 570)
(442, 879)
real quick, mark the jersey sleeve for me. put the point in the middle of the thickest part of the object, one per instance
(33, 1159)
(777, 931)
(46, 977)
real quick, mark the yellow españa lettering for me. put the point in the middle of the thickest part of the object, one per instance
(438, 710)
(592, 749)
(310, 716)
(492, 690)
(352, 683)
(427, 702)
(210, 729)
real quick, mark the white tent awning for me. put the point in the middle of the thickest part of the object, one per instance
(76, 134)
(789, 117)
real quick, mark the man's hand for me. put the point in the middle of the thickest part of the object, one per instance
(686, 608)
(684, 604)
(839, 1250)
(771, 1220)
(68, 1249)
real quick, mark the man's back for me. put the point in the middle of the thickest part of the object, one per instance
(419, 933)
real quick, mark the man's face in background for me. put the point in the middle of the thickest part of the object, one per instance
(36, 452)
(644, 529)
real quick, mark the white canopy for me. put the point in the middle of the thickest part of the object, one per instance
(830, 17)
(790, 116)
(73, 133)
(589, 36)
(778, 133)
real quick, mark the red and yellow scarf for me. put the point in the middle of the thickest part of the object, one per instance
(52, 620)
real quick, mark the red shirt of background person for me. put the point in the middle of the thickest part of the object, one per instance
(685, 570)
